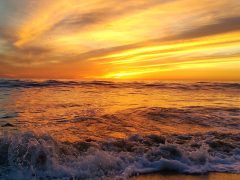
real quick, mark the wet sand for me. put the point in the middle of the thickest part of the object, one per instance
(210, 176)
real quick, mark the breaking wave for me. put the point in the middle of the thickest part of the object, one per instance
(29, 156)
(196, 138)
(7, 83)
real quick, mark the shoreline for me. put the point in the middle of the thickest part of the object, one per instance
(170, 176)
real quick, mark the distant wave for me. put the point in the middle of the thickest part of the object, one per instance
(29, 84)
(6, 83)
(29, 156)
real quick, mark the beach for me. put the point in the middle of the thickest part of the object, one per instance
(211, 176)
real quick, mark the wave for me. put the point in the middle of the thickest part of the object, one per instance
(30, 156)
(7, 83)
(225, 117)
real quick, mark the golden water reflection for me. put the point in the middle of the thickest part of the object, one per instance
(77, 113)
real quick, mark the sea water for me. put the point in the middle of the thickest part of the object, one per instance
(115, 130)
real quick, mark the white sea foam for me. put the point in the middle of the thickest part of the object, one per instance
(27, 156)
(91, 113)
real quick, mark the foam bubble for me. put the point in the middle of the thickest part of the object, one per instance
(29, 155)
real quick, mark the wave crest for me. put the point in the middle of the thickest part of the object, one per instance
(29, 155)
(7, 83)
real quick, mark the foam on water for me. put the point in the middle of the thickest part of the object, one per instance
(111, 130)
(29, 156)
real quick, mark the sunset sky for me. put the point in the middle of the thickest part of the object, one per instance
(120, 39)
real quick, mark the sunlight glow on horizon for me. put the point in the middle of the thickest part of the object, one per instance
(96, 39)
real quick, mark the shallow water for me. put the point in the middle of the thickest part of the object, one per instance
(103, 129)
(211, 176)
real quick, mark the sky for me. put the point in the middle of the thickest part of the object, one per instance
(120, 39)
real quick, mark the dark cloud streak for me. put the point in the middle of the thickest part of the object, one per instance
(223, 25)
(97, 16)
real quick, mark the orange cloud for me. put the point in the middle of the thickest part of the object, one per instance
(119, 39)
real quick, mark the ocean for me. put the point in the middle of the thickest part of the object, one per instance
(115, 130)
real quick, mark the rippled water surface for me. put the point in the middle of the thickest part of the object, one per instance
(118, 129)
